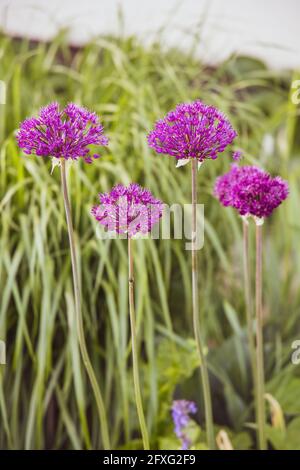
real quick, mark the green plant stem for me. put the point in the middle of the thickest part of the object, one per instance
(136, 379)
(259, 343)
(196, 321)
(79, 321)
(249, 305)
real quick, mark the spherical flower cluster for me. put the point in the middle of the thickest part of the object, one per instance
(65, 133)
(128, 210)
(181, 409)
(251, 191)
(192, 130)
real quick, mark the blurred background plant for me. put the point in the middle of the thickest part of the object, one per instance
(45, 400)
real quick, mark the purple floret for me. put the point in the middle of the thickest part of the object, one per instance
(181, 410)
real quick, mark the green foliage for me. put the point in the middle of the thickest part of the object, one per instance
(287, 439)
(175, 364)
(45, 398)
(285, 387)
(193, 433)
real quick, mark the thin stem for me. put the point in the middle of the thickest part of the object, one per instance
(259, 343)
(196, 321)
(248, 302)
(79, 321)
(136, 379)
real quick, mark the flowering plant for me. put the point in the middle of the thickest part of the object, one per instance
(181, 410)
(253, 192)
(67, 135)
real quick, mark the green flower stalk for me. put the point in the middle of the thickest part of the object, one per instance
(196, 321)
(134, 349)
(79, 322)
(249, 303)
(260, 381)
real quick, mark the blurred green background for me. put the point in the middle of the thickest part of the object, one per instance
(45, 398)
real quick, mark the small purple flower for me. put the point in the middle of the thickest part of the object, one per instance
(128, 210)
(181, 409)
(251, 191)
(237, 155)
(192, 130)
(65, 133)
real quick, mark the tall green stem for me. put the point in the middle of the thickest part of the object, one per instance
(259, 343)
(136, 379)
(79, 321)
(196, 321)
(248, 302)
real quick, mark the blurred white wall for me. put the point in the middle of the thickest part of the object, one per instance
(267, 29)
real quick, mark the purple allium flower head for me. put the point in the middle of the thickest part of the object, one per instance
(65, 133)
(192, 130)
(130, 210)
(181, 409)
(251, 190)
